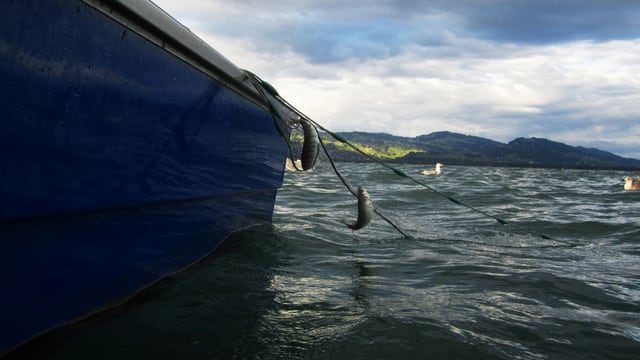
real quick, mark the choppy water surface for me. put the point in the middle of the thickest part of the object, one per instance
(463, 286)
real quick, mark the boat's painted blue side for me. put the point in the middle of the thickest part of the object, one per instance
(119, 163)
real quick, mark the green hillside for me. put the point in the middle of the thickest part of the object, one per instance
(457, 149)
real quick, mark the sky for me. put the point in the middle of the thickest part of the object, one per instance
(568, 70)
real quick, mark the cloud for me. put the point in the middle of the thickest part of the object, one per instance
(548, 91)
(551, 21)
(336, 30)
(564, 70)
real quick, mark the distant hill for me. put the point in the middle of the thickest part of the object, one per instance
(457, 149)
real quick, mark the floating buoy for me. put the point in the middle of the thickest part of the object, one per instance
(310, 146)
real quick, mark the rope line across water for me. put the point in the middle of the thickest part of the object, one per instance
(263, 86)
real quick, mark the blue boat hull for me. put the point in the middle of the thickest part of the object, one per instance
(119, 163)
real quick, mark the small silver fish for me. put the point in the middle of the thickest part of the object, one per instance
(310, 146)
(366, 211)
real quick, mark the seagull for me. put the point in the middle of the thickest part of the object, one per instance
(433, 172)
(631, 184)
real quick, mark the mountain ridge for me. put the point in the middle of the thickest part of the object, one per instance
(458, 149)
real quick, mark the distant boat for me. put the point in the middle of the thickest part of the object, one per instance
(435, 171)
(631, 183)
(129, 150)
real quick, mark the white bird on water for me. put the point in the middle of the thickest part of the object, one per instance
(436, 171)
(631, 184)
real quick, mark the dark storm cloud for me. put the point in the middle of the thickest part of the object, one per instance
(551, 21)
(334, 31)
(334, 41)
(326, 31)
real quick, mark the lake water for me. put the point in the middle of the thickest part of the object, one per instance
(462, 286)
